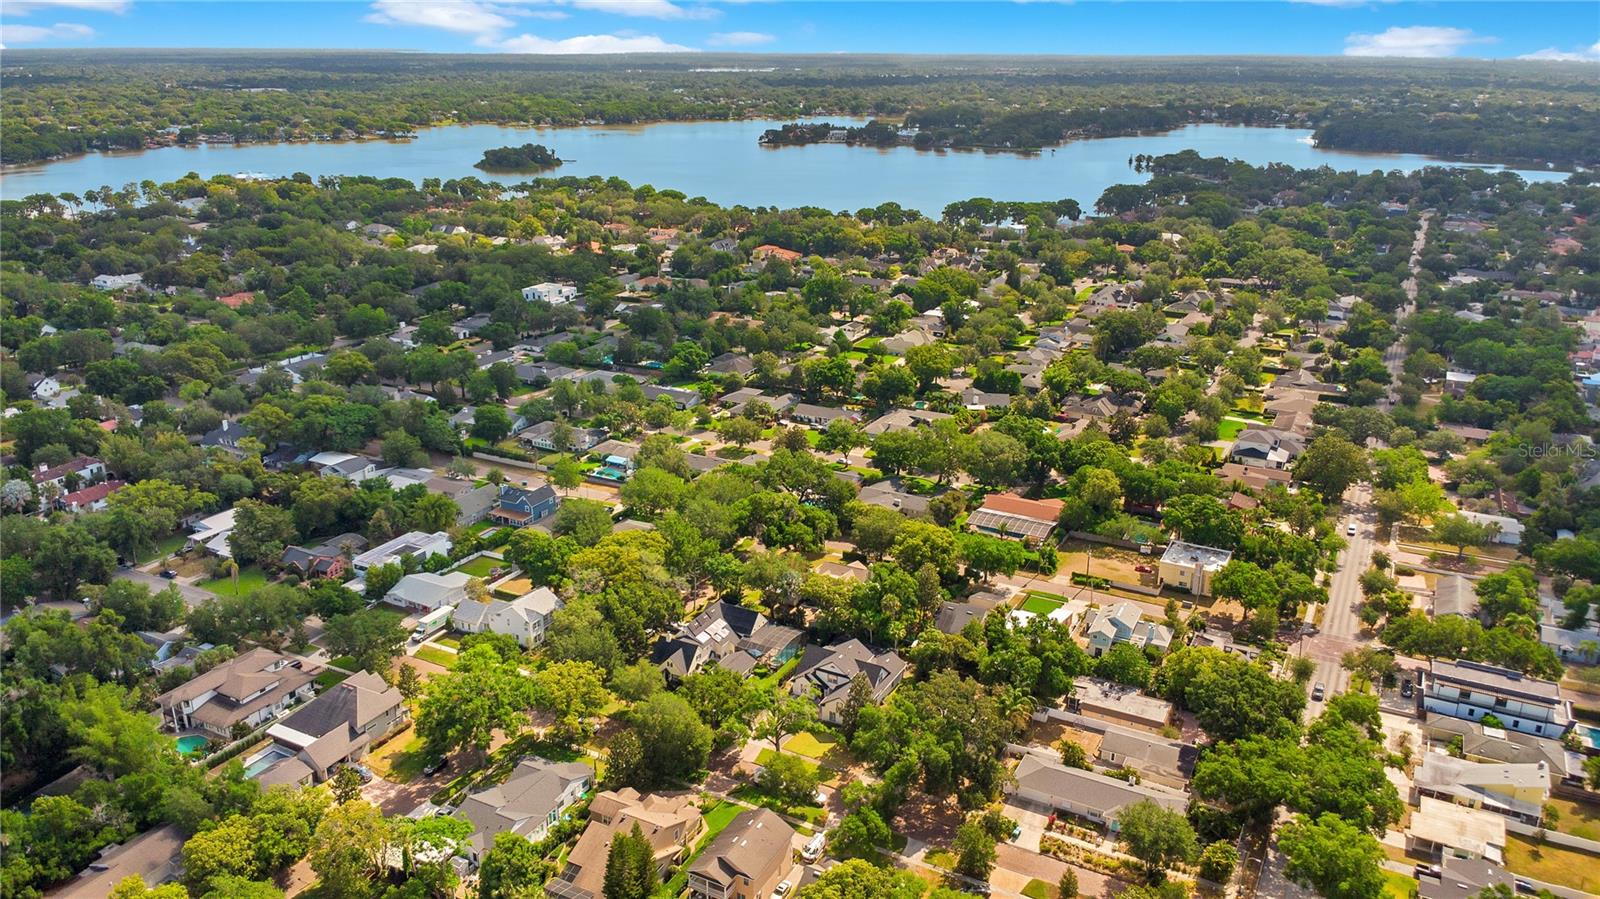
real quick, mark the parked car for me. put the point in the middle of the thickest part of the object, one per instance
(435, 766)
(1407, 689)
(1318, 692)
(782, 890)
(1350, 529)
(1426, 870)
(1524, 885)
(812, 850)
(169, 574)
(1143, 569)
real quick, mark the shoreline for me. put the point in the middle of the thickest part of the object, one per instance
(1503, 165)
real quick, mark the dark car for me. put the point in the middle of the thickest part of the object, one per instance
(169, 574)
(435, 766)
(1407, 689)
(1318, 692)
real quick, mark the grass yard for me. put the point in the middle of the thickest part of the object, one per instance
(1038, 605)
(1398, 886)
(329, 678)
(1554, 864)
(1581, 819)
(768, 682)
(513, 588)
(482, 566)
(401, 759)
(436, 655)
(450, 641)
(810, 745)
(348, 663)
(765, 757)
(165, 548)
(249, 579)
(1229, 428)
(717, 818)
(940, 858)
(755, 795)
(1038, 889)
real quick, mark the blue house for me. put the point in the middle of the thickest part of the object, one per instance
(518, 506)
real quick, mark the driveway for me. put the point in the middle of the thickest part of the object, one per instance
(192, 596)
(1015, 866)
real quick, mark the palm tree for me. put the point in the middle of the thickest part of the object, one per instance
(231, 568)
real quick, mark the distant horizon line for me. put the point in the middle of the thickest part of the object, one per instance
(817, 55)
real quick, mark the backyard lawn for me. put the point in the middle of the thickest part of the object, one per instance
(401, 759)
(1553, 864)
(810, 745)
(249, 579)
(329, 677)
(482, 566)
(1398, 886)
(436, 655)
(756, 795)
(1038, 605)
(1229, 428)
(1581, 819)
(164, 548)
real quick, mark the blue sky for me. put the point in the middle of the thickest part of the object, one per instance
(1562, 30)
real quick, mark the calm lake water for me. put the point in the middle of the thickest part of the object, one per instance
(722, 162)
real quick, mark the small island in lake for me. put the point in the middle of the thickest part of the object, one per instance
(519, 159)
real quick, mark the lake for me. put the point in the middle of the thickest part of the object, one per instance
(723, 162)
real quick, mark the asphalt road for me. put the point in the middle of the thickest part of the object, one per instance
(1340, 631)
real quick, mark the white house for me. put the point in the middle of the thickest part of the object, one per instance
(117, 282)
(1123, 623)
(425, 590)
(211, 533)
(526, 618)
(1510, 529)
(46, 388)
(551, 292)
(415, 543)
(1191, 566)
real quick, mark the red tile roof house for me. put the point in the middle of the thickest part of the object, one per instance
(771, 251)
(89, 499)
(1015, 517)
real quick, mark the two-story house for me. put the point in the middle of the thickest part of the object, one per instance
(827, 672)
(248, 689)
(670, 821)
(528, 804)
(336, 728)
(746, 860)
(526, 618)
(518, 506)
(1124, 623)
(1475, 691)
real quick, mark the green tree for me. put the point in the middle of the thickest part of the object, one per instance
(346, 785)
(260, 532)
(572, 691)
(860, 879)
(974, 850)
(1156, 836)
(464, 708)
(1332, 856)
(630, 867)
(1330, 465)
(788, 716)
(347, 851)
(679, 742)
(1461, 532)
(373, 637)
(1218, 860)
(791, 779)
(511, 869)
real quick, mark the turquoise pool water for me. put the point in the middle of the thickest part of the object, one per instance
(191, 744)
(1589, 735)
(263, 760)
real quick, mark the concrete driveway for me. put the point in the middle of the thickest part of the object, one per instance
(192, 595)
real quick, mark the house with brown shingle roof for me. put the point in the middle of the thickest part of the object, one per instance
(249, 688)
(746, 860)
(670, 821)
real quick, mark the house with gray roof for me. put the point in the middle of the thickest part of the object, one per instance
(1454, 594)
(526, 618)
(250, 689)
(746, 860)
(528, 804)
(337, 727)
(827, 671)
(1049, 785)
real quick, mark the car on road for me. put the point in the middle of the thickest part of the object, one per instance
(169, 574)
(1524, 885)
(812, 850)
(782, 890)
(1350, 529)
(435, 766)
(1318, 692)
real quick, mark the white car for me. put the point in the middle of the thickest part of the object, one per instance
(782, 890)
(1350, 529)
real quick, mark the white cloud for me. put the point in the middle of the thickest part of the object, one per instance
(32, 34)
(459, 16)
(739, 39)
(1412, 41)
(590, 43)
(647, 9)
(1588, 54)
(23, 7)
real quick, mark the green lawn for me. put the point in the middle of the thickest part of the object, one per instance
(436, 655)
(328, 678)
(1038, 889)
(1398, 886)
(717, 818)
(165, 548)
(810, 745)
(249, 579)
(482, 566)
(1581, 819)
(940, 858)
(770, 681)
(1038, 605)
(348, 663)
(755, 795)
(765, 757)
(1554, 864)
(720, 816)
(1229, 428)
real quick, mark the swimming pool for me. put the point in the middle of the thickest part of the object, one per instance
(265, 759)
(1589, 735)
(191, 744)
